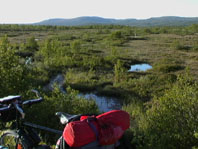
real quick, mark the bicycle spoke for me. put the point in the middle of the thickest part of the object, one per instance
(9, 141)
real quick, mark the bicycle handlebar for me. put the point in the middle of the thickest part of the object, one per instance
(32, 101)
(5, 108)
(17, 104)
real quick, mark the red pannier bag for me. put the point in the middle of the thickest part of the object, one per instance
(78, 133)
(108, 128)
(112, 126)
(109, 134)
(115, 117)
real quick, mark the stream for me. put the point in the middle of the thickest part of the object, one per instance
(104, 103)
(57, 80)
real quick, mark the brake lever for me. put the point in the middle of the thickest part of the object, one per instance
(36, 92)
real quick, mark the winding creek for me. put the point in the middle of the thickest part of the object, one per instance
(104, 103)
(57, 80)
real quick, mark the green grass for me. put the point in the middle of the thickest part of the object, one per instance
(88, 58)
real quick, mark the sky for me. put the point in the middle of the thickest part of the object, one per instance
(32, 11)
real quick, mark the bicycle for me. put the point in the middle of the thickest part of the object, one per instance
(21, 135)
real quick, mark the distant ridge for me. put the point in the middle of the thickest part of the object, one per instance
(158, 21)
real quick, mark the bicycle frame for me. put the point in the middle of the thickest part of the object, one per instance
(43, 128)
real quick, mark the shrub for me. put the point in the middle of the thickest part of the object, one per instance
(169, 121)
(110, 91)
(195, 46)
(15, 77)
(92, 62)
(31, 45)
(138, 121)
(177, 45)
(165, 68)
(83, 81)
(167, 65)
(119, 72)
(148, 31)
(116, 35)
(75, 46)
(118, 38)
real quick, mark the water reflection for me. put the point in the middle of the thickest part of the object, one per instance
(104, 103)
(57, 80)
(140, 67)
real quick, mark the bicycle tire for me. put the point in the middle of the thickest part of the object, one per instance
(10, 140)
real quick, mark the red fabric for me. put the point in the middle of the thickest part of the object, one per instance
(116, 117)
(110, 126)
(110, 134)
(83, 117)
(78, 133)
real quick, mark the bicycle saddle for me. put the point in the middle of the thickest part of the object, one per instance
(66, 118)
(9, 99)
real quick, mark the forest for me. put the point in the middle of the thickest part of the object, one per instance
(162, 101)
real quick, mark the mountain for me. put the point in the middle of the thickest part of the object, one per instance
(158, 21)
(78, 21)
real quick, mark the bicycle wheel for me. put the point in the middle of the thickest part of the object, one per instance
(10, 140)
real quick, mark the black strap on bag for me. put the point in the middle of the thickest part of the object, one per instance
(93, 127)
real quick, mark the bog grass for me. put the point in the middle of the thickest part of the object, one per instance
(97, 59)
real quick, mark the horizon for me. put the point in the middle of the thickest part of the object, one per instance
(32, 11)
(93, 17)
(119, 18)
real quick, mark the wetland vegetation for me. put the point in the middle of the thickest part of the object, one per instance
(161, 101)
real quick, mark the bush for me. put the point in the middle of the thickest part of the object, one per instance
(148, 31)
(166, 68)
(76, 46)
(31, 45)
(110, 91)
(116, 35)
(119, 72)
(177, 45)
(157, 85)
(195, 46)
(138, 121)
(15, 77)
(83, 81)
(173, 118)
(118, 38)
(169, 121)
(167, 65)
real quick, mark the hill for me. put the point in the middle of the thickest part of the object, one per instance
(158, 21)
